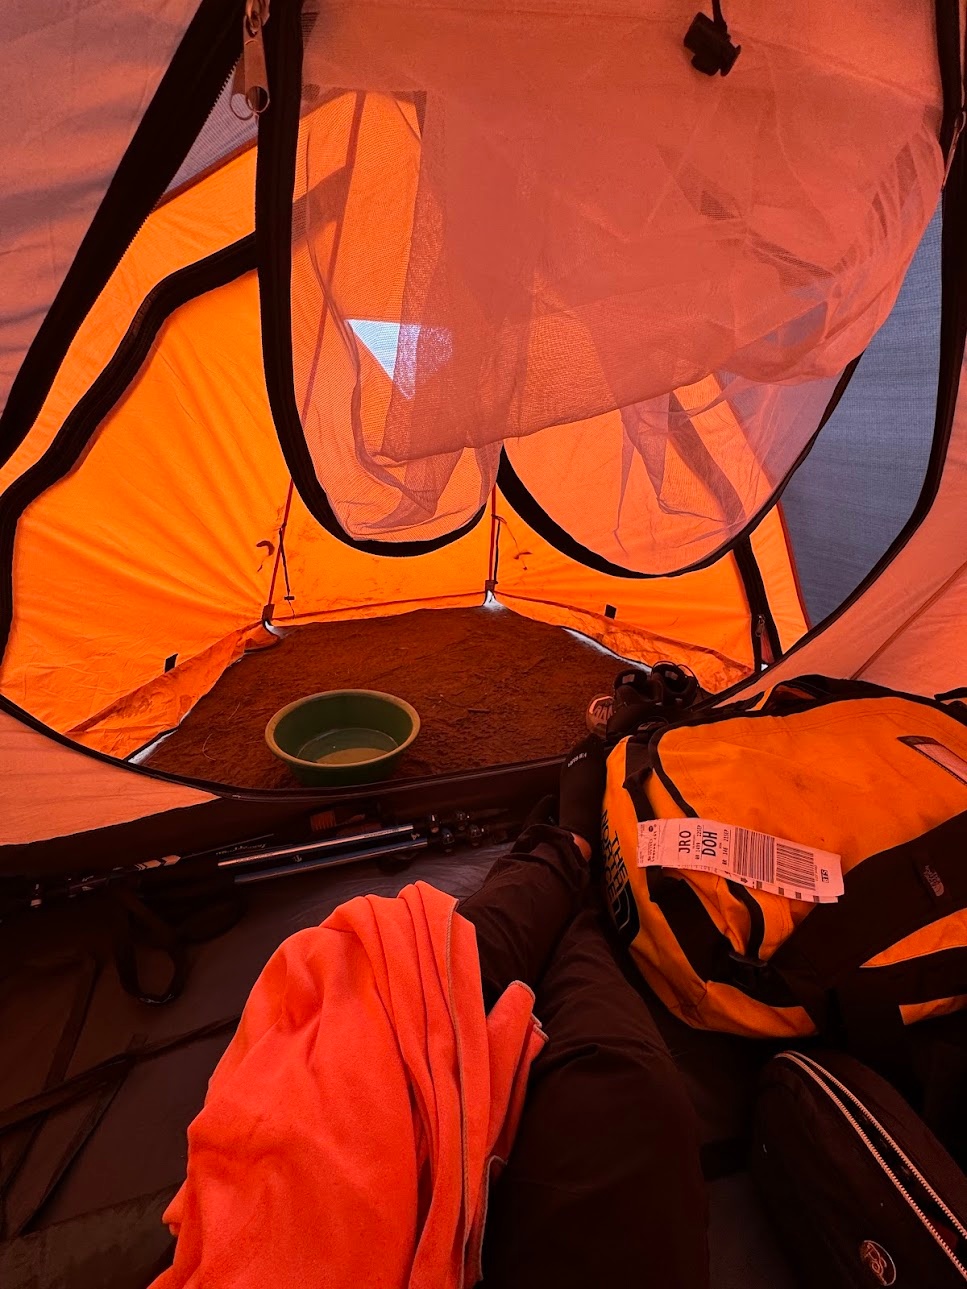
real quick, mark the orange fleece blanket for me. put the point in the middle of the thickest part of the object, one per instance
(351, 1127)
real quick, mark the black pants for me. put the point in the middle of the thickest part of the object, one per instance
(604, 1186)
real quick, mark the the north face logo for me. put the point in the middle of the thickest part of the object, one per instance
(933, 879)
(621, 900)
(878, 1262)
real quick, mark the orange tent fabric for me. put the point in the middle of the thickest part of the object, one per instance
(494, 258)
(349, 1129)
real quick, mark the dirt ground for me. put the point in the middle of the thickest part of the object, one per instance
(491, 688)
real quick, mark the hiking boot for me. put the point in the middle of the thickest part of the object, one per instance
(599, 712)
(642, 696)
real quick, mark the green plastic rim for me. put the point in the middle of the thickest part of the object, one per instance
(294, 725)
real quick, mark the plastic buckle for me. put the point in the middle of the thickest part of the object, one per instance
(711, 46)
(746, 972)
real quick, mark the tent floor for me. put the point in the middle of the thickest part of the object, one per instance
(491, 687)
(100, 1222)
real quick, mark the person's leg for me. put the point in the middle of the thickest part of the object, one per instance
(531, 895)
(604, 1185)
(527, 900)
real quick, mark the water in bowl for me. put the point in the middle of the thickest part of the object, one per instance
(350, 746)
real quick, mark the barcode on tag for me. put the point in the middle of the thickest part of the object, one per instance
(755, 859)
(766, 859)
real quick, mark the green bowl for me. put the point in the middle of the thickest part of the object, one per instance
(342, 737)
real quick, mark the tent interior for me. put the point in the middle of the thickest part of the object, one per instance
(501, 348)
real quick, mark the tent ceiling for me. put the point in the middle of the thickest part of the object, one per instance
(80, 76)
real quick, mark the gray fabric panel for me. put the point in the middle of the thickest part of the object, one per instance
(742, 1248)
(858, 486)
(115, 1248)
(221, 135)
(159, 1099)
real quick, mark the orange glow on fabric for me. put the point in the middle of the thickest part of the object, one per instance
(350, 1128)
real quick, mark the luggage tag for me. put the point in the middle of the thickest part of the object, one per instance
(756, 859)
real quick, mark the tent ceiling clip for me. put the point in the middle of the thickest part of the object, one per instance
(709, 41)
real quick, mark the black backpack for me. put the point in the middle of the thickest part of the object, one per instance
(860, 1191)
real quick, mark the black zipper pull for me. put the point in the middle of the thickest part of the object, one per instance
(958, 130)
(758, 640)
(251, 83)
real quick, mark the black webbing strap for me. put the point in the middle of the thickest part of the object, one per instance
(137, 927)
(85, 980)
(709, 953)
(101, 1083)
(817, 689)
(166, 915)
(888, 897)
(105, 1074)
(757, 919)
(79, 1138)
(919, 980)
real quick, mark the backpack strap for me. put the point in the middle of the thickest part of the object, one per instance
(888, 897)
(707, 950)
(820, 966)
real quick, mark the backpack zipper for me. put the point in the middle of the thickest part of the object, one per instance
(819, 1075)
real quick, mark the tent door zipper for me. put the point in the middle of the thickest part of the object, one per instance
(251, 81)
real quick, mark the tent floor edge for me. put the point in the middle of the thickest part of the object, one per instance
(237, 816)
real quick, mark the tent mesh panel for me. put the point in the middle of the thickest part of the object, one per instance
(545, 228)
(222, 134)
(869, 462)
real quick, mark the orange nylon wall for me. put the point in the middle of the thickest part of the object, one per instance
(163, 541)
(195, 223)
(700, 619)
(163, 528)
(151, 548)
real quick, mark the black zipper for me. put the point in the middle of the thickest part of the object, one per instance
(764, 630)
(925, 1203)
(188, 91)
(951, 73)
(953, 332)
(274, 187)
(82, 424)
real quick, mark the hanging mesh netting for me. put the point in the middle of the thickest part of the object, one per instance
(542, 229)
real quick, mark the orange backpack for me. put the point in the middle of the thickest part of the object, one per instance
(879, 779)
